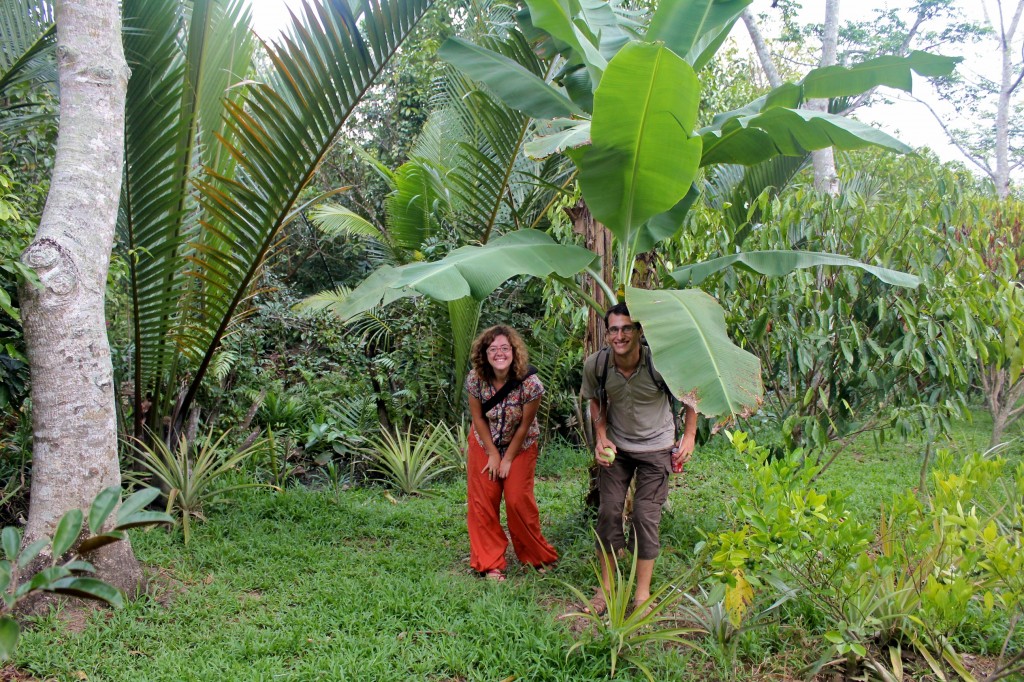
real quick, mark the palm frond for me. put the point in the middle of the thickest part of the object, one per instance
(334, 220)
(27, 43)
(278, 135)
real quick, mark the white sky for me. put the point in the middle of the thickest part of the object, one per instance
(906, 120)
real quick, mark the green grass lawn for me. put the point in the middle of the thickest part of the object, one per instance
(293, 586)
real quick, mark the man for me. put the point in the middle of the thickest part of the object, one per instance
(635, 439)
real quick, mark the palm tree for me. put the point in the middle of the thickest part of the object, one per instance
(219, 158)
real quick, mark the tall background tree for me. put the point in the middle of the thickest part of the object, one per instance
(73, 416)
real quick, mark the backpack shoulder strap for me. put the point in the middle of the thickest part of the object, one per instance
(602, 376)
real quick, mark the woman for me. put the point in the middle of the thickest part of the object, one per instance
(503, 455)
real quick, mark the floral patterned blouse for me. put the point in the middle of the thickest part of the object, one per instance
(504, 417)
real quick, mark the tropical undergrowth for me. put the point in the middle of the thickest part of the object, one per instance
(354, 582)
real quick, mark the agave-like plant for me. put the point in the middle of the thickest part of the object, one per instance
(192, 473)
(410, 462)
(624, 629)
(219, 155)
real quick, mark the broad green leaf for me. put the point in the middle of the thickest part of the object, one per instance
(89, 588)
(891, 71)
(5, 575)
(9, 631)
(664, 225)
(46, 577)
(841, 81)
(778, 263)
(512, 83)
(31, 552)
(137, 501)
(5, 306)
(94, 542)
(692, 350)
(11, 539)
(470, 271)
(558, 136)
(143, 518)
(642, 160)
(790, 132)
(102, 506)
(690, 27)
(556, 17)
(68, 529)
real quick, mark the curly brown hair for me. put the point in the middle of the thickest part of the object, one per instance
(520, 356)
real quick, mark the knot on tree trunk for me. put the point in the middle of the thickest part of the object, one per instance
(56, 270)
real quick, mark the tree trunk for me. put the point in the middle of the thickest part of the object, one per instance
(598, 239)
(824, 160)
(1008, 83)
(761, 48)
(73, 394)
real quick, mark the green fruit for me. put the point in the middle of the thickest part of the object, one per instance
(609, 455)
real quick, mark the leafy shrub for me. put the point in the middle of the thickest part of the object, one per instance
(67, 572)
(911, 581)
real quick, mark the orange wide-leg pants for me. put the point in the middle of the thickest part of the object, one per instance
(487, 541)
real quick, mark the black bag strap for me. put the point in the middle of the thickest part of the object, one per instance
(510, 385)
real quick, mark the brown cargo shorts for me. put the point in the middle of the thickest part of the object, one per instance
(652, 470)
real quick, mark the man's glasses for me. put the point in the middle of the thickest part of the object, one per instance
(499, 349)
(626, 329)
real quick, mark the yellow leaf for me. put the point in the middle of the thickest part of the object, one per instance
(738, 597)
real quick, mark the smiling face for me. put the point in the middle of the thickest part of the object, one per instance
(623, 336)
(500, 354)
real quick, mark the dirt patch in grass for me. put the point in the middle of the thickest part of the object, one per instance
(163, 586)
(11, 674)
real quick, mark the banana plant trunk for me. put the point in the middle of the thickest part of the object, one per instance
(73, 397)
(598, 239)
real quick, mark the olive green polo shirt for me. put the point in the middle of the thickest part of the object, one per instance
(639, 413)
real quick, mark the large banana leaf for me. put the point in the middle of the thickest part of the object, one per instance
(694, 29)
(642, 160)
(556, 17)
(692, 350)
(843, 81)
(509, 80)
(469, 271)
(790, 132)
(779, 263)
(27, 43)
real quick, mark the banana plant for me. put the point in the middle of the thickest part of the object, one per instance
(219, 156)
(624, 107)
(467, 182)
